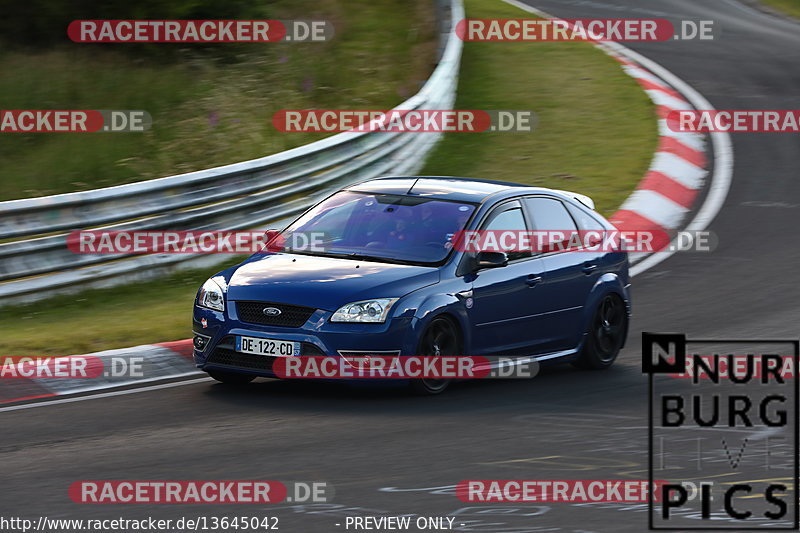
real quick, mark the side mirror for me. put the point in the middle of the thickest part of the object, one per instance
(491, 260)
(274, 240)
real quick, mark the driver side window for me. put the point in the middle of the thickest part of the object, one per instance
(508, 219)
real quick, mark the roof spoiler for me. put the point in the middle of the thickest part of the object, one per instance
(582, 198)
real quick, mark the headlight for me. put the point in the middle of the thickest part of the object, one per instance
(211, 296)
(374, 311)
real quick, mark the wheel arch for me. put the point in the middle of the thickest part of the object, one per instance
(448, 315)
(608, 283)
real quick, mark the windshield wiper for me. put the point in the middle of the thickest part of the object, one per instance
(380, 259)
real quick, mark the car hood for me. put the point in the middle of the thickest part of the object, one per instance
(324, 282)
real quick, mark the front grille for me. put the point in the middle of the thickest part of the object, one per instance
(225, 355)
(291, 316)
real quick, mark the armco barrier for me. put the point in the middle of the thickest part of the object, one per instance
(34, 259)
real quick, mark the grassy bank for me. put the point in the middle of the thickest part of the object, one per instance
(101, 319)
(207, 110)
(790, 7)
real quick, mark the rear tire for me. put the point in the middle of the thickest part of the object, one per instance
(440, 338)
(606, 335)
(231, 378)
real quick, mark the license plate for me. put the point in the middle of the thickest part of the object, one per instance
(271, 347)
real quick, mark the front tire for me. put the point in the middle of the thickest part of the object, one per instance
(606, 335)
(440, 338)
(231, 378)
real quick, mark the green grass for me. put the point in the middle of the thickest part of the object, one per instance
(596, 135)
(596, 130)
(207, 110)
(790, 7)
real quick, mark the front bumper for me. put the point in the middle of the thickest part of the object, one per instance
(317, 336)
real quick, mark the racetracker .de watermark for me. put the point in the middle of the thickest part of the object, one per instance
(175, 492)
(199, 31)
(192, 242)
(558, 490)
(67, 367)
(404, 120)
(592, 241)
(73, 120)
(735, 120)
(402, 367)
(618, 30)
(83, 367)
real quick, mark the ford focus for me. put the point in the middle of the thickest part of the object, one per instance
(387, 273)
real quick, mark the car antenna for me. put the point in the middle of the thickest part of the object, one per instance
(412, 186)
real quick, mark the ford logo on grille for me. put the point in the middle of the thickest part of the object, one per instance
(271, 311)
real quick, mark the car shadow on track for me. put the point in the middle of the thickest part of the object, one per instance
(561, 384)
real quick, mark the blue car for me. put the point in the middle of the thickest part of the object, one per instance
(387, 277)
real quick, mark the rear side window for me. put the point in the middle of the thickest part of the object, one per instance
(549, 215)
(586, 222)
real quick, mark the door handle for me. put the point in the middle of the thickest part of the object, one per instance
(533, 280)
(588, 268)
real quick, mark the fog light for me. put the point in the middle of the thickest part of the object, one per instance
(200, 342)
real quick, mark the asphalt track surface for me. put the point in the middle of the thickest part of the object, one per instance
(388, 454)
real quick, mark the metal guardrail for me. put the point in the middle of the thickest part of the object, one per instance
(35, 261)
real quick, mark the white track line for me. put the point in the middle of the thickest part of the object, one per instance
(106, 394)
(121, 384)
(721, 142)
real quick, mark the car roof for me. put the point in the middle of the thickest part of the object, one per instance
(443, 187)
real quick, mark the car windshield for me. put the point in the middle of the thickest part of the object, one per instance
(378, 227)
